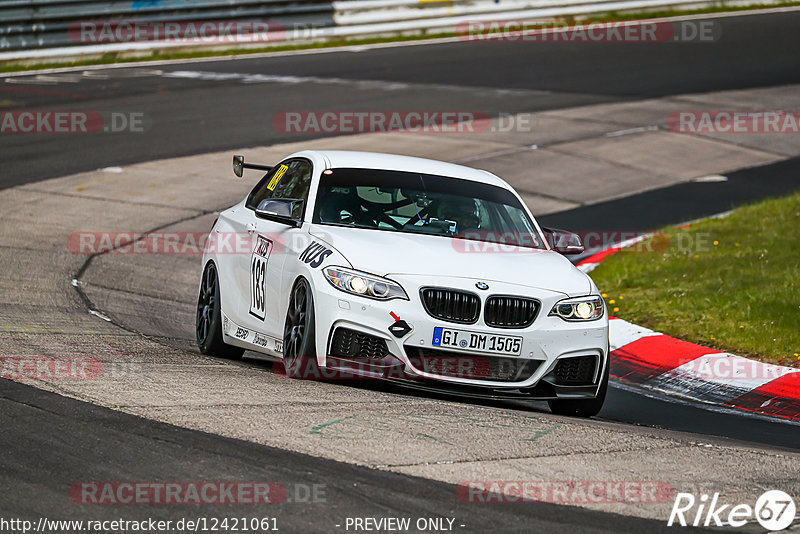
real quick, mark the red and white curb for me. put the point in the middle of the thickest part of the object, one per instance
(657, 361)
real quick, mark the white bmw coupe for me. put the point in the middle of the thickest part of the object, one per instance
(374, 265)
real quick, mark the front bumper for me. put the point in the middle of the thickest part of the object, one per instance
(550, 345)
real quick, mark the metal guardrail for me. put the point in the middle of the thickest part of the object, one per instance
(31, 24)
(379, 11)
(42, 30)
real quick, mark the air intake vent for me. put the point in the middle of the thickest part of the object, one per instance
(451, 304)
(510, 312)
(351, 344)
(578, 371)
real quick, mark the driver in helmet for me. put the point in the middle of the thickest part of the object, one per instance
(460, 210)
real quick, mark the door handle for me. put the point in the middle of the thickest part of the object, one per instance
(251, 227)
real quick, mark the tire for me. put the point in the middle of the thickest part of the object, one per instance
(582, 407)
(208, 323)
(299, 345)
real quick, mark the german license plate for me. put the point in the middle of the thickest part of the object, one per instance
(451, 338)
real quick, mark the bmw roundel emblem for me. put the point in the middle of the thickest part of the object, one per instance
(481, 285)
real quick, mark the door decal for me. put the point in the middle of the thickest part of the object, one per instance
(258, 277)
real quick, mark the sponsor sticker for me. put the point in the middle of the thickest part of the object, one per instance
(315, 254)
(258, 277)
(276, 178)
(253, 337)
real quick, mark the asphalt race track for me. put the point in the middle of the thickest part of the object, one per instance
(51, 441)
(190, 116)
(79, 437)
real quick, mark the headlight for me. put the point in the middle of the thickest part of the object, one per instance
(363, 284)
(579, 309)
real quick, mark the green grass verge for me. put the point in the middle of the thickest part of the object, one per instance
(731, 283)
(113, 58)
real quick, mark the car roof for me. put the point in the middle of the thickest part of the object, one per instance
(352, 159)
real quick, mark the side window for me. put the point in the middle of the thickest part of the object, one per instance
(289, 179)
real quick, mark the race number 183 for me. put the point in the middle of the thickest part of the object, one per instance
(258, 277)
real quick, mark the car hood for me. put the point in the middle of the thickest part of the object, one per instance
(385, 253)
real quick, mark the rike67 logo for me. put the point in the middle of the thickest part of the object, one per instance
(774, 510)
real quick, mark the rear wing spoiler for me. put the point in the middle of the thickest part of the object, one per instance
(239, 166)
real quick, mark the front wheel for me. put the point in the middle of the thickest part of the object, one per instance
(299, 346)
(208, 323)
(582, 407)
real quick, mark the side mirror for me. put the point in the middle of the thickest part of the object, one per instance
(279, 210)
(238, 165)
(563, 242)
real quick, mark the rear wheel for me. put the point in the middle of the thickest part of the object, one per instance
(208, 324)
(299, 346)
(582, 407)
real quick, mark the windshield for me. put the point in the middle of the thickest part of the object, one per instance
(416, 203)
